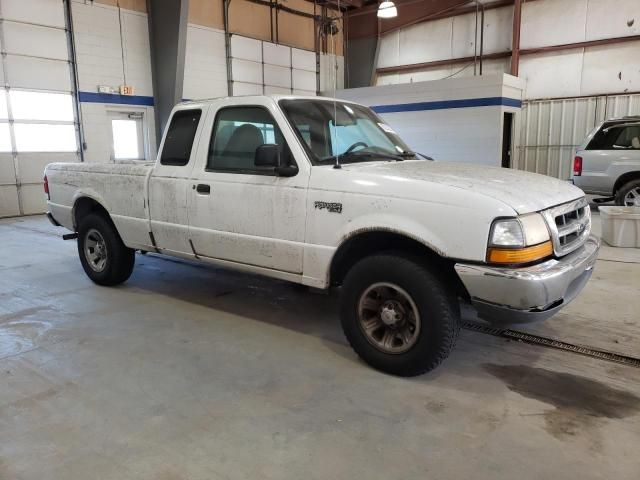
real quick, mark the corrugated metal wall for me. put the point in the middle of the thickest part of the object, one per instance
(547, 132)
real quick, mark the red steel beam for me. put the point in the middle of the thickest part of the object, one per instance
(590, 43)
(440, 63)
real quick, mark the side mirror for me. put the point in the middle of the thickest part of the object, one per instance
(267, 155)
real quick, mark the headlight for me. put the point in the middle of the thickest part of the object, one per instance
(519, 240)
(507, 233)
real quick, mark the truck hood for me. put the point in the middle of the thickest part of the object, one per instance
(525, 192)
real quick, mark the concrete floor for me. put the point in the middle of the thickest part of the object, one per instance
(188, 372)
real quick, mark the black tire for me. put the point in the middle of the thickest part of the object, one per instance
(437, 306)
(119, 259)
(625, 189)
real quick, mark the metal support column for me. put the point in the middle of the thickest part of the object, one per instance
(168, 38)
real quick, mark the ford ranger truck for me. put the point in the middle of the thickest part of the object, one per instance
(324, 193)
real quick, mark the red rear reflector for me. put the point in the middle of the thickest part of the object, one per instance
(46, 187)
(577, 166)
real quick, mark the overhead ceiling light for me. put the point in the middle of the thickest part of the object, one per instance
(387, 9)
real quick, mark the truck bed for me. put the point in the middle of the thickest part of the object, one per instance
(119, 187)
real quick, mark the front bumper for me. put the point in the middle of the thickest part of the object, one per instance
(518, 295)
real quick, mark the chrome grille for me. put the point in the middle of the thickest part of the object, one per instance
(570, 225)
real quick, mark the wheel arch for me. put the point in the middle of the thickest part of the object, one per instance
(625, 178)
(83, 206)
(366, 242)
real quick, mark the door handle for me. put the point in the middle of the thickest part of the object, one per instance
(203, 189)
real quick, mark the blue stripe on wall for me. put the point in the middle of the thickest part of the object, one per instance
(95, 97)
(447, 104)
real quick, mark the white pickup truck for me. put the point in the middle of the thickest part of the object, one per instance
(323, 193)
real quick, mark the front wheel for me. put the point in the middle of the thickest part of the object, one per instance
(105, 259)
(398, 316)
(628, 195)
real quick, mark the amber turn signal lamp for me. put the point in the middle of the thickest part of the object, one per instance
(519, 255)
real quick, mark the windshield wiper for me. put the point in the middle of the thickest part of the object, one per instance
(410, 154)
(364, 154)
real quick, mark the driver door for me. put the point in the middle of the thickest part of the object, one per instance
(239, 212)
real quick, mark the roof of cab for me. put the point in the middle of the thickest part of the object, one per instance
(275, 96)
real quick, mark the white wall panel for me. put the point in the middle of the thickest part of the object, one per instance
(621, 105)
(555, 74)
(553, 22)
(32, 199)
(303, 59)
(279, 76)
(31, 165)
(240, 88)
(458, 70)
(608, 19)
(611, 68)
(426, 42)
(389, 50)
(205, 70)
(304, 80)
(43, 12)
(269, 90)
(38, 73)
(276, 54)
(434, 73)
(246, 48)
(497, 32)
(36, 41)
(7, 170)
(246, 71)
(9, 206)
(388, 79)
(98, 46)
(550, 130)
(137, 52)
(330, 79)
(305, 93)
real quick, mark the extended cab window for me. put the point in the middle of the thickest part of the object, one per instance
(617, 137)
(237, 133)
(179, 140)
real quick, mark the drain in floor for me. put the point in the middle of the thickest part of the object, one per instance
(551, 343)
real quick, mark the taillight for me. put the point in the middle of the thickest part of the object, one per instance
(577, 166)
(46, 187)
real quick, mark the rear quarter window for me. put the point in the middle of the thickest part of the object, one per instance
(616, 137)
(179, 139)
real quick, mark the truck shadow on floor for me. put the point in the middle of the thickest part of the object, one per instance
(281, 304)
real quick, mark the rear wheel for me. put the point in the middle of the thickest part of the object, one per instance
(105, 259)
(629, 194)
(398, 315)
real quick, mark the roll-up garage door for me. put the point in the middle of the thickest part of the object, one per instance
(38, 123)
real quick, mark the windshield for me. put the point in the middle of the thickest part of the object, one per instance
(351, 132)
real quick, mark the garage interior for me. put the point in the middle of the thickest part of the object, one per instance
(195, 372)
